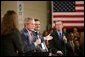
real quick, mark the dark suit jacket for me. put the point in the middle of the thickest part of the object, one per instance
(27, 46)
(56, 43)
(11, 43)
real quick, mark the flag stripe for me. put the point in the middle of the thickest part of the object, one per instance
(69, 13)
(73, 24)
(68, 16)
(79, 5)
(79, 8)
(79, 2)
(79, 11)
(69, 19)
(73, 21)
(70, 27)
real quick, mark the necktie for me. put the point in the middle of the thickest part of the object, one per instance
(31, 36)
(60, 35)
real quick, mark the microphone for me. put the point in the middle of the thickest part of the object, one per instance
(38, 38)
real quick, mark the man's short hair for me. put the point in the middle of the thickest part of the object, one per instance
(36, 20)
(27, 19)
(57, 21)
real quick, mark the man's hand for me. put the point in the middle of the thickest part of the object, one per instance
(48, 37)
(59, 53)
(38, 41)
(65, 39)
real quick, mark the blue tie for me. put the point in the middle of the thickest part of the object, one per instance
(60, 35)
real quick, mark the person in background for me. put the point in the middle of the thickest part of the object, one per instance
(59, 40)
(29, 38)
(11, 44)
(78, 49)
(65, 32)
(82, 42)
(71, 45)
(76, 33)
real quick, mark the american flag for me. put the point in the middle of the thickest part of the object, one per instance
(71, 13)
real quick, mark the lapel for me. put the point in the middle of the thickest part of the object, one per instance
(56, 34)
(26, 34)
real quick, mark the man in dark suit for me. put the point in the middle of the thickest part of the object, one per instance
(59, 40)
(29, 38)
(42, 46)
